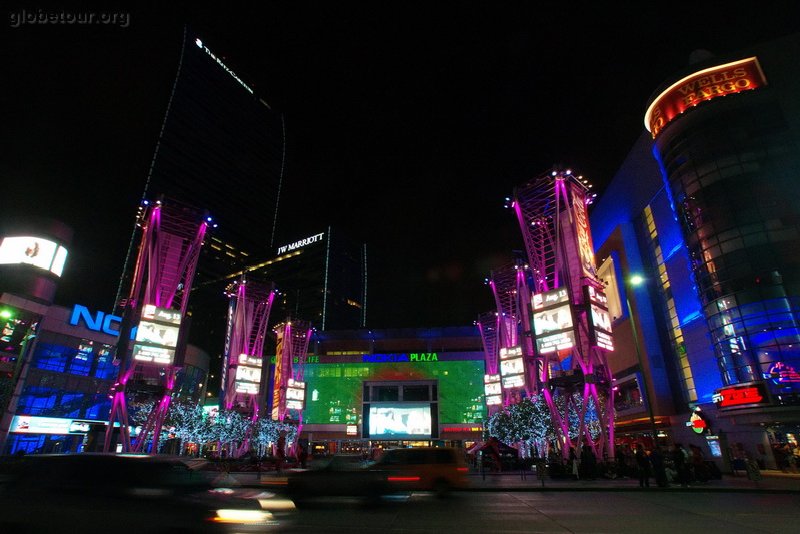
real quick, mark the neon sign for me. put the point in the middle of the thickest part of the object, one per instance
(582, 233)
(781, 373)
(704, 85)
(100, 322)
(697, 422)
(740, 396)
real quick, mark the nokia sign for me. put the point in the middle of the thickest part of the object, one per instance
(99, 322)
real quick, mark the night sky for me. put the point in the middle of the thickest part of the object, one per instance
(406, 124)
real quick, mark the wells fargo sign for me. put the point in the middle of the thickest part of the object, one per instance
(704, 85)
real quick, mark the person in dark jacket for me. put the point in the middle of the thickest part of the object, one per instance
(643, 465)
(659, 470)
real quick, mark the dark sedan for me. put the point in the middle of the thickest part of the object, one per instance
(338, 476)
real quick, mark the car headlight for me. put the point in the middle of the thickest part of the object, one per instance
(249, 517)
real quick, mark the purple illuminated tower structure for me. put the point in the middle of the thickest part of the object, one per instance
(566, 301)
(291, 349)
(171, 240)
(512, 298)
(243, 368)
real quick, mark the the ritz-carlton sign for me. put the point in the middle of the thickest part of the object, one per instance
(300, 243)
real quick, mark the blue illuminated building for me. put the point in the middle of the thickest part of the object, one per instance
(704, 209)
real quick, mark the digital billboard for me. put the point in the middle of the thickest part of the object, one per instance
(400, 420)
(552, 320)
(492, 390)
(157, 335)
(36, 251)
(555, 342)
(334, 392)
(553, 326)
(156, 355)
(248, 375)
(295, 394)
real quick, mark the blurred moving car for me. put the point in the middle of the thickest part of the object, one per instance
(121, 493)
(340, 475)
(437, 469)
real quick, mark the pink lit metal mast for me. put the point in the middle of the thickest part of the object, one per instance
(291, 351)
(552, 214)
(243, 369)
(172, 237)
(510, 289)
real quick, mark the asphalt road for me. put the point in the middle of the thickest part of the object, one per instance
(530, 512)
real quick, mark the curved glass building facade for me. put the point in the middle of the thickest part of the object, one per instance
(731, 161)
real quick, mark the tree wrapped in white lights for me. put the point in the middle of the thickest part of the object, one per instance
(266, 432)
(528, 422)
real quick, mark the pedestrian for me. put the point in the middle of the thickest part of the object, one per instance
(701, 473)
(659, 469)
(588, 463)
(680, 461)
(302, 456)
(574, 463)
(643, 466)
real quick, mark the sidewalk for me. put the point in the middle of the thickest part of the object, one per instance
(771, 482)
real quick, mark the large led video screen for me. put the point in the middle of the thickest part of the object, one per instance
(399, 420)
(334, 392)
(36, 251)
(157, 334)
(552, 320)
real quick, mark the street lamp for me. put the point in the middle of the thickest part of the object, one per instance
(636, 280)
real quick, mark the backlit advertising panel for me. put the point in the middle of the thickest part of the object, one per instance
(36, 251)
(553, 327)
(27, 424)
(514, 366)
(248, 374)
(701, 86)
(555, 342)
(552, 320)
(513, 381)
(295, 394)
(492, 390)
(157, 334)
(248, 377)
(549, 298)
(151, 354)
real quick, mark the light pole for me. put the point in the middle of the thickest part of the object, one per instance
(636, 280)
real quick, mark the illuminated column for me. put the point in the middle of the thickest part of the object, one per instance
(551, 211)
(243, 366)
(172, 236)
(290, 358)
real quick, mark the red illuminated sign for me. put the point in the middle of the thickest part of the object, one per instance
(704, 85)
(582, 233)
(740, 395)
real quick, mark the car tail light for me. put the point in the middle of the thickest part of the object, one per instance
(403, 479)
